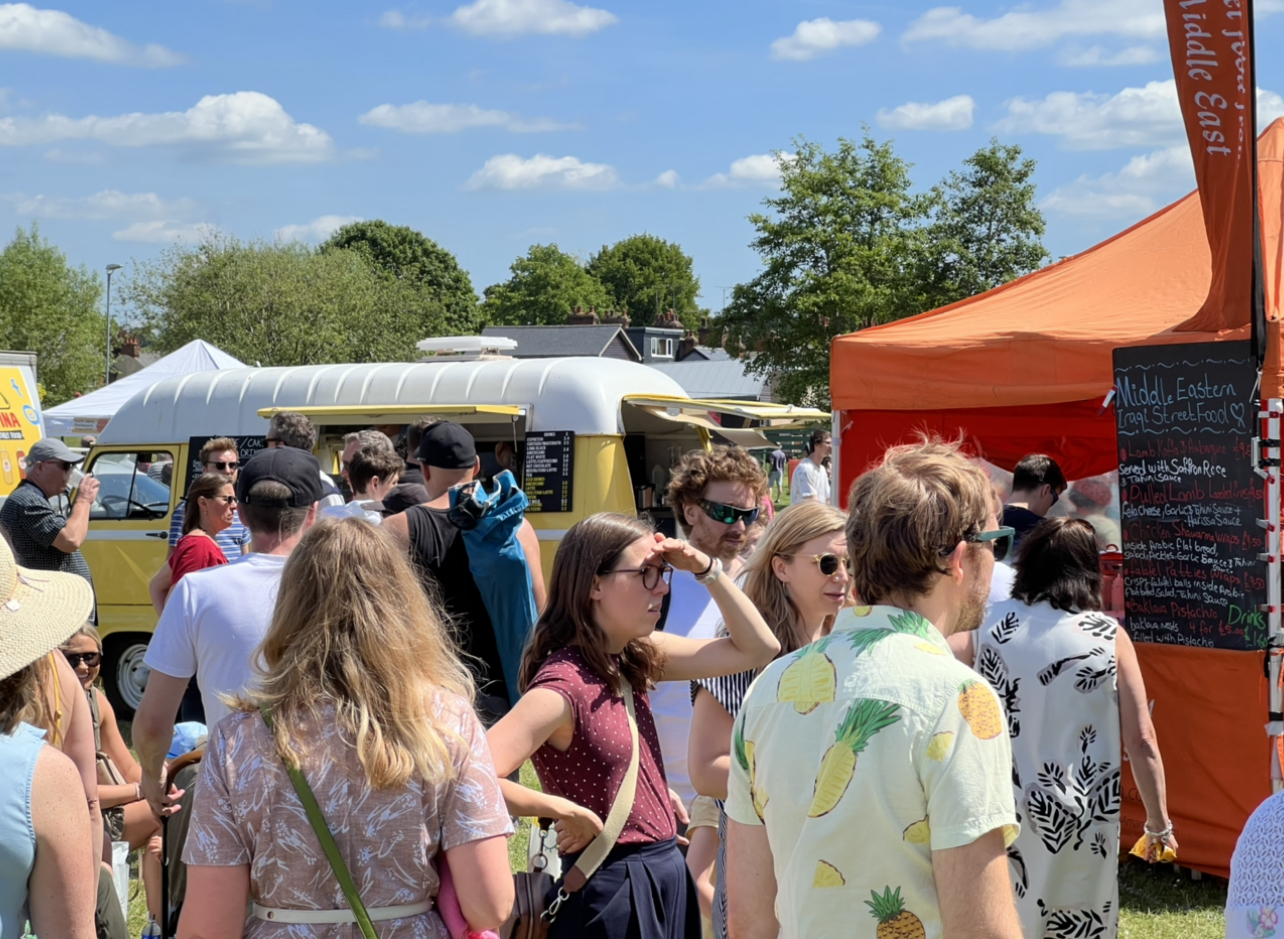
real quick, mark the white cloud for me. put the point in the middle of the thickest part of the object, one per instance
(52, 32)
(1025, 28)
(395, 19)
(1145, 184)
(107, 204)
(245, 127)
(163, 233)
(667, 180)
(505, 18)
(812, 38)
(509, 171)
(75, 157)
(1135, 117)
(951, 114)
(1100, 56)
(757, 170)
(319, 229)
(421, 117)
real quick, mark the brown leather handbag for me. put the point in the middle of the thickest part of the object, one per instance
(533, 913)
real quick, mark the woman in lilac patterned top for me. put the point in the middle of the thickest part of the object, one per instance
(372, 703)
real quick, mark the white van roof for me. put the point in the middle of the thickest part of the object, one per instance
(577, 394)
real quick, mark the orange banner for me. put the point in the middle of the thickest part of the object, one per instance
(1211, 44)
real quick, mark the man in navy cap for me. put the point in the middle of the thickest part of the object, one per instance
(42, 539)
(448, 455)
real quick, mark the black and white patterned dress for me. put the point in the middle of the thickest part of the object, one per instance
(1054, 672)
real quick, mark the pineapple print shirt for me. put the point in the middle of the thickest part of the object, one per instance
(861, 754)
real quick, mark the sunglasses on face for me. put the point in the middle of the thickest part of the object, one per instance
(226, 500)
(90, 659)
(651, 574)
(828, 563)
(729, 514)
(224, 467)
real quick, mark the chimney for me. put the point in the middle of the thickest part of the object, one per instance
(686, 346)
(620, 319)
(705, 332)
(131, 347)
(579, 318)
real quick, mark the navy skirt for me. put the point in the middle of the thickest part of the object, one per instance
(641, 891)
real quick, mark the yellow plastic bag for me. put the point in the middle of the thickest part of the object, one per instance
(1160, 852)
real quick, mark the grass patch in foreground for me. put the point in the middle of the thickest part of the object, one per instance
(1161, 903)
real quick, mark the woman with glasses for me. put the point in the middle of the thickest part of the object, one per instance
(597, 632)
(126, 814)
(210, 507)
(799, 579)
(1075, 699)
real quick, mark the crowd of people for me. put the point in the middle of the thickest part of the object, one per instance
(829, 723)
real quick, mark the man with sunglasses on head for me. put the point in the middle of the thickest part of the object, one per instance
(1037, 484)
(44, 540)
(218, 455)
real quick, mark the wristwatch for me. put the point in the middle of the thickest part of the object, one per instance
(710, 573)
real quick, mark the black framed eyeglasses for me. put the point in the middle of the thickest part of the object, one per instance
(1000, 541)
(91, 659)
(828, 563)
(651, 574)
(224, 466)
(730, 514)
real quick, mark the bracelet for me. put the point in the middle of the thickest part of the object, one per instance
(710, 573)
(138, 792)
(1161, 835)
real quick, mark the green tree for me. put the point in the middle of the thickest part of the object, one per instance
(647, 275)
(55, 310)
(281, 304)
(546, 285)
(415, 259)
(836, 250)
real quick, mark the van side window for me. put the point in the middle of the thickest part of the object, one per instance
(133, 486)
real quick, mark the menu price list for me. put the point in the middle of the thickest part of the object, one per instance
(1189, 499)
(550, 470)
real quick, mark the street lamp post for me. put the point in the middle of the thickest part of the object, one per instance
(111, 269)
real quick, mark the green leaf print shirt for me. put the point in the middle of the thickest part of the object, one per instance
(862, 753)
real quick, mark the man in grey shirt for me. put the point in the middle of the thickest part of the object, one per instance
(42, 539)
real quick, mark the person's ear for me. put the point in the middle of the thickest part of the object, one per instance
(780, 568)
(954, 562)
(691, 513)
(595, 591)
(476, 468)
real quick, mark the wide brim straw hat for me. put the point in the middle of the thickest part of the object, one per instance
(39, 611)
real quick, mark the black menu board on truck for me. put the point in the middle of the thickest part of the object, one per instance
(550, 469)
(1189, 498)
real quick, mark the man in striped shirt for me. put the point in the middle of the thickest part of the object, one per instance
(219, 455)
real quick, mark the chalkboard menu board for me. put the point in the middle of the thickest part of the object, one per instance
(1189, 498)
(245, 446)
(550, 468)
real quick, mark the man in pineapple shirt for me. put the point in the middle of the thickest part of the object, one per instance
(871, 773)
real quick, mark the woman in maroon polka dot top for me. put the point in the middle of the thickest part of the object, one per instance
(609, 580)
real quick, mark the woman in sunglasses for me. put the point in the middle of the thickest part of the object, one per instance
(1073, 692)
(126, 814)
(210, 507)
(799, 579)
(597, 633)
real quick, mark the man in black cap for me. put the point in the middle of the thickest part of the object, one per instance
(448, 455)
(44, 540)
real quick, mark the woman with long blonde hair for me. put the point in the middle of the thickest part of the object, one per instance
(370, 701)
(798, 578)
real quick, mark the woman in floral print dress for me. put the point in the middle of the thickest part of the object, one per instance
(1072, 690)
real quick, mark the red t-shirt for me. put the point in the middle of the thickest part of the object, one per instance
(591, 770)
(195, 552)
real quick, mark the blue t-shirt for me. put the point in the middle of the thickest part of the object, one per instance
(233, 539)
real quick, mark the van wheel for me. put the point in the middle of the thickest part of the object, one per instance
(124, 674)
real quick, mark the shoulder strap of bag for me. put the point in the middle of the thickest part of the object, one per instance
(327, 840)
(593, 856)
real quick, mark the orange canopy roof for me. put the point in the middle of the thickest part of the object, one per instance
(1047, 337)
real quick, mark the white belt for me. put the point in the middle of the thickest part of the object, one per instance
(376, 914)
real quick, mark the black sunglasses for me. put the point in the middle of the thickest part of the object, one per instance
(90, 659)
(729, 514)
(651, 574)
(1000, 541)
(224, 466)
(828, 563)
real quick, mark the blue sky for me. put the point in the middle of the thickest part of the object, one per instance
(495, 124)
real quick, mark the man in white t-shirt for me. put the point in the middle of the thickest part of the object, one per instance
(811, 479)
(716, 496)
(215, 619)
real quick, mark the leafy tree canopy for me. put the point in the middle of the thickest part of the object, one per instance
(411, 256)
(54, 310)
(647, 275)
(544, 287)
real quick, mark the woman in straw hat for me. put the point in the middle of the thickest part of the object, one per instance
(47, 871)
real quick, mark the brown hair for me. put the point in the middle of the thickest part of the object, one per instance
(353, 628)
(921, 501)
(698, 468)
(270, 519)
(293, 430)
(19, 697)
(218, 445)
(591, 546)
(206, 485)
(789, 531)
(1058, 563)
(374, 460)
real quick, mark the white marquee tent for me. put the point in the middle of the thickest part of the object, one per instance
(90, 413)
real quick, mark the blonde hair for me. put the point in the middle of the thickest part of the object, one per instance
(354, 629)
(788, 532)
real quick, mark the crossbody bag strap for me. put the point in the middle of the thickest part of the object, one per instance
(327, 840)
(593, 856)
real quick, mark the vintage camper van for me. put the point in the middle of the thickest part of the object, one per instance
(591, 435)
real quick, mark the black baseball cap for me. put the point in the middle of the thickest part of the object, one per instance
(446, 445)
(296, 469)
(401, 497)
